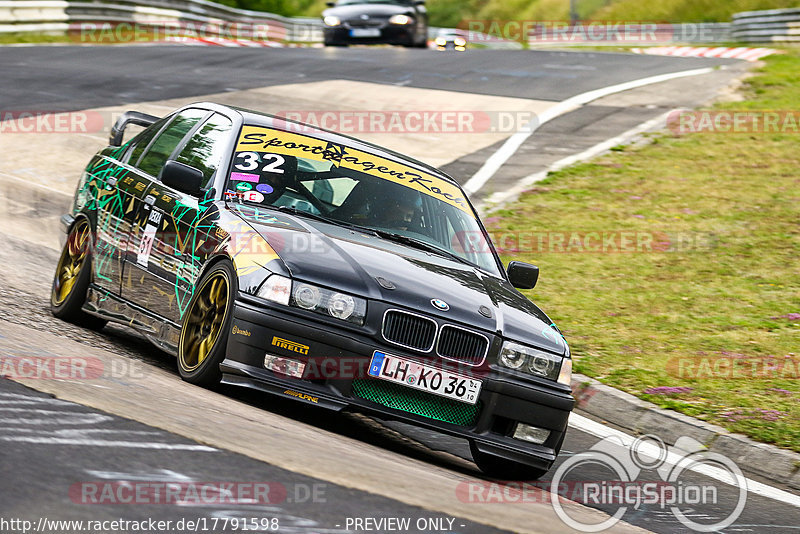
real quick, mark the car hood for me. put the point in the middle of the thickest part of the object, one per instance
(373, 10)
(357, 262)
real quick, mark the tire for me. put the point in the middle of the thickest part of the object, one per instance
(205, 326)
(72, 277)
(503, 469)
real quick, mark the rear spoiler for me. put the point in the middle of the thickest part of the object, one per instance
(129, 117)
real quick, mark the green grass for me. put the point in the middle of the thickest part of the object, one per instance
(14, 38)
(450, 12)
(728, 204)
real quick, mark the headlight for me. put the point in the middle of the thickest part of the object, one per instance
(342, 306)
(400, 19)
(276, 288)
(306, 296)
(441, 41)
(327, 302)
(533, 361)
(460, 41)
(330, 20)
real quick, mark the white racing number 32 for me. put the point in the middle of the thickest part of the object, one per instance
(248, 161)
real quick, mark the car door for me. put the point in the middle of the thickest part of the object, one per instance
(171, 231)
(138, 285)
(113, 190)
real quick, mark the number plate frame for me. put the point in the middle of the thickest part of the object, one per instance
(365, 32)
(422, 377)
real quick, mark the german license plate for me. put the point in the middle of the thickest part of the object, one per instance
(365, 32)
(424, 377)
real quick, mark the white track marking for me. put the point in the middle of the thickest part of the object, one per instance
(104, 443)
(162, 475)
(512, 144)
(499, 198)
(601, 431)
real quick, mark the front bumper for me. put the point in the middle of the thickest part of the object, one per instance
(393, 34)
(342, 356)
(66, 221)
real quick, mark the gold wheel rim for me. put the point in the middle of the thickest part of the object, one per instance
(71, 261)
(204, 323)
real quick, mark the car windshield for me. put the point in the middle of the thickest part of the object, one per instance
(351, 187)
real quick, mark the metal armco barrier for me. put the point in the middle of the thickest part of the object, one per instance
(769, 26)
(63, 15)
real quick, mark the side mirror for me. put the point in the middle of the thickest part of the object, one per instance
(330, 4)
(522, 275)
(129, 117)
(419, 2)
(182, 177)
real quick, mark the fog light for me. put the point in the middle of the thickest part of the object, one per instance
(530, 433)
(284, 366)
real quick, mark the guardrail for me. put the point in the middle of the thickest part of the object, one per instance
(769, 26)
(176, 16)
(97, 21)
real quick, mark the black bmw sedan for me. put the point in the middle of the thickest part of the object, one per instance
(306, 264)
(397, 22)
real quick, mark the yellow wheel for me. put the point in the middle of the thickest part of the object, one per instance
(72, 259)
(204, 332)
(72, 277)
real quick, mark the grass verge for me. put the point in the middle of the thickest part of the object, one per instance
(696, 306)
(29, 38)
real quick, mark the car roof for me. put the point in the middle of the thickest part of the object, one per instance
(257, 118)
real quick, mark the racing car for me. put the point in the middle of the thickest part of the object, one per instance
(273, 255)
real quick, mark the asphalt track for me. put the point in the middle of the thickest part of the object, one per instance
(342, 456)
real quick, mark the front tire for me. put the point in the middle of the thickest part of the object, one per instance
(205, 326)
(503, 469)
(71, 281)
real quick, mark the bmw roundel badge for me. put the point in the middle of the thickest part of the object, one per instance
(439, 304)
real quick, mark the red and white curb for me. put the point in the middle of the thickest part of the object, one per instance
(234, 43)
(747, 54)
(243, 43)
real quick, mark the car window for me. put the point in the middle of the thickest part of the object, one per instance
(140, 142)
(159, 150)
(205, 148)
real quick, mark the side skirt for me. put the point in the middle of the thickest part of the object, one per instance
(162, 332)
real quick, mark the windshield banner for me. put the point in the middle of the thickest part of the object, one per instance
(267, 140)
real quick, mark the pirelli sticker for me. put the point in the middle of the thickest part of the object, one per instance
(292, 346)
(268, 140)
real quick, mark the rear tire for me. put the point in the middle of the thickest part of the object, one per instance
(503, 469)
(71, 281)
(205, 326)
